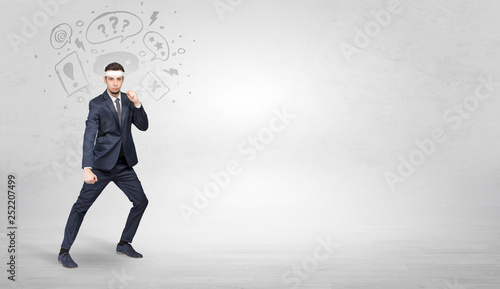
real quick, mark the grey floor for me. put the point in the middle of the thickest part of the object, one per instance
(425, 248)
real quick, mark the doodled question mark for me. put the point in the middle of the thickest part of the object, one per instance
(115, 21)
(103, 29)
(127, 23)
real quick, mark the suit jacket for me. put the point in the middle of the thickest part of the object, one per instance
(104, 137)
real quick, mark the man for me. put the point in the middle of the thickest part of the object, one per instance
(108, 156)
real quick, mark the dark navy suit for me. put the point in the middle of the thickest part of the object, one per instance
(109, 149)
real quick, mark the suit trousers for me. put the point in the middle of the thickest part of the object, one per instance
(126, 179)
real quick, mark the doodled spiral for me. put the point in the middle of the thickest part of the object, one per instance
(60, 36)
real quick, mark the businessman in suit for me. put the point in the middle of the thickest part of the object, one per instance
(108, 156)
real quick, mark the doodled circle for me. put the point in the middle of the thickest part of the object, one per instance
(181, 50)
(142, 53)
(79, 23)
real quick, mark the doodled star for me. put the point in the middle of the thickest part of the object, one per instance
(159, 45)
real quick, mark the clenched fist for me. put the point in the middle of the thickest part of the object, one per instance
(132, 95)
(88, 176)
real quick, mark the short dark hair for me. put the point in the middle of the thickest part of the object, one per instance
(114, 66)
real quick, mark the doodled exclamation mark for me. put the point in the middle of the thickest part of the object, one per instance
(70, 72)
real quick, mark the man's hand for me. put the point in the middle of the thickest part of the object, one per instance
(89, 177)
(132, 95)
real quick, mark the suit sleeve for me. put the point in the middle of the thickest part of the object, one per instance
(91, 127)
(140, 118)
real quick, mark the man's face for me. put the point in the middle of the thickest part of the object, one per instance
(114, 83)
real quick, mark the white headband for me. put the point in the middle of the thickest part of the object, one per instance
(114, 73)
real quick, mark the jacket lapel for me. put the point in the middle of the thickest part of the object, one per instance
(111, 106)
(125, 106)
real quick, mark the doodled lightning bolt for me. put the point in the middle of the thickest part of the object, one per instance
(172, 71)
(153, 17)
(79, 44)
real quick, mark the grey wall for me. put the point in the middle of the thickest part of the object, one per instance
(388, 102)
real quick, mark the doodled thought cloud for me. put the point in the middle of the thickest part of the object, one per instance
(129, 61)
(61, 34)
(113, 25)
(157, 44)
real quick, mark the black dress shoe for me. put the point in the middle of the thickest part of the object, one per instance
(66, 260)
(127, 249)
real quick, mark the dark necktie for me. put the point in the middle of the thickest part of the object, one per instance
(119, 111)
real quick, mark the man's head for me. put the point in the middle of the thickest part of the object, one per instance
(114, 78)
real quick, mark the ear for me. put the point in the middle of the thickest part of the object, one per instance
(104, 79)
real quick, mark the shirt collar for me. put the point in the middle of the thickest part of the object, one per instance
(113, 98)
